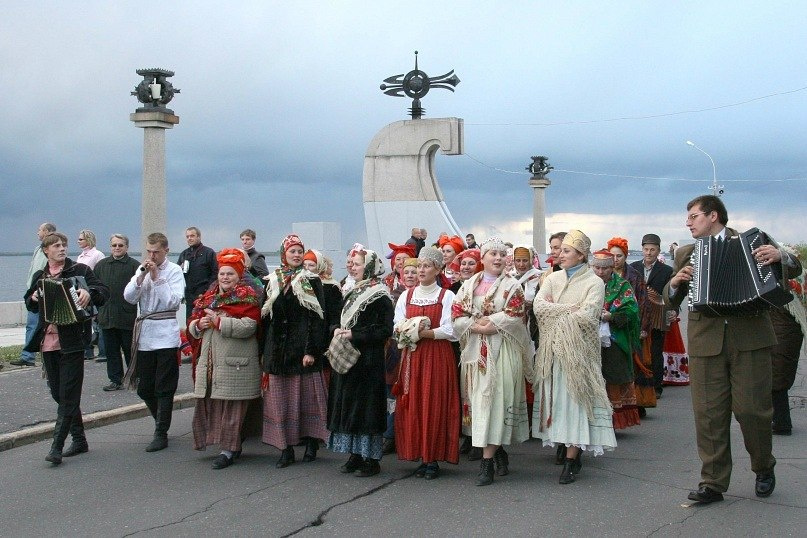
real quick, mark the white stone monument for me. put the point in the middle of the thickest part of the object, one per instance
(400, 189)
(325, 237)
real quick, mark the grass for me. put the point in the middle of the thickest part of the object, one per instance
(10, 353)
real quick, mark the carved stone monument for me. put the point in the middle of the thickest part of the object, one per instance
(154, 91)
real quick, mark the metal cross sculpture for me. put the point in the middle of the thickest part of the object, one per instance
(539, 167)
(416, 84)
(155, 91)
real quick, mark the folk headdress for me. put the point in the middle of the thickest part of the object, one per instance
(455, 242)
(620, 242)
(232, 257)
(578, 241)
(409, 250)
(473, 253)
(602, 258)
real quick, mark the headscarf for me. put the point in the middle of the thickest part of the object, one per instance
(366, 290)
(469, 253)
(619, 242)
(232, 257)
(455, 242)
(409, 250)
(578, 241)
(287, 271)
(619, 298)
(602, 258)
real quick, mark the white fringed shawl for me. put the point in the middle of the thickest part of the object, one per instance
(572, 337)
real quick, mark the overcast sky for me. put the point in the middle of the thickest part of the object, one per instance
(280, 100)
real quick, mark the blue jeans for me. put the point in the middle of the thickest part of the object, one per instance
(30, 326)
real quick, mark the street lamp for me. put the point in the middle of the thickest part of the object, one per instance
(717, 190)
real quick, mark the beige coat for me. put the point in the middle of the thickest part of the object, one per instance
(233, 351)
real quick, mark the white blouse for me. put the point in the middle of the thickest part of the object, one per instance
(425, 296)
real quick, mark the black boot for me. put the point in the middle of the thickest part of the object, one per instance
(151, 404)
(502, 460)
(567, 474)
(311, 447)
(578, 463)
(369, 467)
(286, 458)
(165, 410)
(79, 444)
(465, 446)
(353, 463)
(560, 455)
(485, 476)
(60, 431)
(475, 453)
(781, 424)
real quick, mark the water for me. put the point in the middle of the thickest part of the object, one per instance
(14, 270)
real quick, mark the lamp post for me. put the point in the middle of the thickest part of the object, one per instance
(539, 168)
(716, 189)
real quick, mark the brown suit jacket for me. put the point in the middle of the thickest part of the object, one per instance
(705, 334)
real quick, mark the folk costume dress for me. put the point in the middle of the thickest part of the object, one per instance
(571, 404)
(295, 397)
(226, 368)
(427, 413)
(494, 367)
(357, 401)
(617, 358)
(676, 360)
(644, 385)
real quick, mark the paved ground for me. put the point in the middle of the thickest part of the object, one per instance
(119, 490)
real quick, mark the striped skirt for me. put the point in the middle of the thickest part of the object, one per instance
(295, 407)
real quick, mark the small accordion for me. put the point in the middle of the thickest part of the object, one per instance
(728, 281)
(59, 300)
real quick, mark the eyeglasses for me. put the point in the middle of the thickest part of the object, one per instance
(693, 216)
(117, 245)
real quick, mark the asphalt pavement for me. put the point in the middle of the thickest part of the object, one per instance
(117, 489)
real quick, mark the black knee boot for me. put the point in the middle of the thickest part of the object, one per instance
(165, 410)
(782, 424)
(151, 403)
(79, 444)
(60, 431)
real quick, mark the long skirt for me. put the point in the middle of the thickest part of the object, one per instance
(560, 419)
(623, 401)
(644, 384)
(427, 417)
(676, 361)
(295, 407)
(219, 422)
(365, 445)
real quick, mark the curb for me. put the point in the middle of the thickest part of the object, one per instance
(41, 432)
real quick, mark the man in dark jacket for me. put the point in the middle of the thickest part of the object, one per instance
(656, 276)
(117, 316)
(63, 345)
(257, 261)
(199, 265)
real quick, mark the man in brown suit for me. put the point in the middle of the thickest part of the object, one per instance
(730, 365)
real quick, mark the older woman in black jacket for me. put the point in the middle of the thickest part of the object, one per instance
(62, 345)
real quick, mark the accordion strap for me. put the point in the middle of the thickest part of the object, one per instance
(130, 379)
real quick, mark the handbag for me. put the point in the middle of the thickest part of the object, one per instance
(341, 354)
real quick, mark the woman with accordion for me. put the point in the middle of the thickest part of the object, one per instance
(64, 293)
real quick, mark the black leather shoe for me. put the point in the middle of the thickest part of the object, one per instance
(286, 458)
(222, 461)
(353, 463)
(502, 461)
(486, 470)
(765, 484)
(567, 474)
(368, 467)
(112, 387)
(432, 471)
(76, 447)
(705, 495)
(420, 472)
(20, 362)
(54, 456)
(311, 447)
(158, 443)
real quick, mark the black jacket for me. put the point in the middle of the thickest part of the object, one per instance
(75, 337)
(660, 274)
(117, 312)
(292, 332)
(202, 270)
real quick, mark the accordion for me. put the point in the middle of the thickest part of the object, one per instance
(728, 281)
(59, 300)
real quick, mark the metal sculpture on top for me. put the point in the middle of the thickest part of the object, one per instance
(155, 91)
(416, 84)
(539, 167)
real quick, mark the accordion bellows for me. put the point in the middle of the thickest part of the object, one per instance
(59, 300)
(728, 281)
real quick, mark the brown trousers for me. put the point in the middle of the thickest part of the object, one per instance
(739, 382)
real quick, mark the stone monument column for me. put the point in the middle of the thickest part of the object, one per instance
(539, 182)
(154, 91)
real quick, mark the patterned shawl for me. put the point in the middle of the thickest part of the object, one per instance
(619, 299)
(366, 290)
(503, 305)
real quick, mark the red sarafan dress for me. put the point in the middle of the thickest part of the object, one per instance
(676, 360)
(427, 413)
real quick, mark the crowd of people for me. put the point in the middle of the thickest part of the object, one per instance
(460, 348)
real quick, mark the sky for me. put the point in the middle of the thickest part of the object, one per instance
(279, 101)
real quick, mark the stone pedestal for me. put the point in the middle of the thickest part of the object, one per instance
(539, 186)
(153, 216)
(399, 187)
